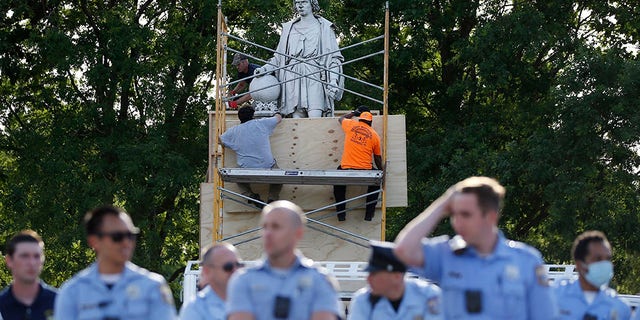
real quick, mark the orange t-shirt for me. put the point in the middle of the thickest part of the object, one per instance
(360, 142)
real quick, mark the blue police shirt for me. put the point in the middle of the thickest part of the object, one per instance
(304, 286)
(206, 305)
(421, 300)
(137, 295)
(510, 283)
(573, 305)
(40, 309)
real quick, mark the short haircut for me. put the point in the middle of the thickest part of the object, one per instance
(298, 217)
(24, 236)
(315, 6)
(207, 252)
(580, 247)
(489, 192)
(94, 218)
(245, 114)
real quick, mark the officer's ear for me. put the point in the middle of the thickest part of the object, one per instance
(92, 241)
(492, 216)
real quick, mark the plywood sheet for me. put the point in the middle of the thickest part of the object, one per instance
(313, 144)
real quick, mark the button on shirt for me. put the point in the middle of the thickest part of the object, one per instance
(573, 304)
(421, 300)
(40, 309)
(510, 283)
(254, 290)
(250, 142)
(137, 295)
(206, 305)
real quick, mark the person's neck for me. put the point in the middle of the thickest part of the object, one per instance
(106, 267)
(221, 292)
(308, 19)
(586, 286)
(284, 261)
(487, 245)
(396, 292)
(26, 292)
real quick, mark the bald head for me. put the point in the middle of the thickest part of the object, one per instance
(208, 252)
(293, 211)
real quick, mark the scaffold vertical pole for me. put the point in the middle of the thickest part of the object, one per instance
(219, 120)
(385, 112)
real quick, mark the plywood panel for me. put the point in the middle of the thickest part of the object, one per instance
(206, 214)
(316, 245)
(315, 144)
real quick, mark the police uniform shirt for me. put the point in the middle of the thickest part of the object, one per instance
(421, 301)
(573, 305)
(300, 292)
(510, 283)
(40, 309)
(206, 305)
(137, 295)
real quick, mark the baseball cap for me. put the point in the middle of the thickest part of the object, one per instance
(237, 58)
(383, 259)
(366, 116)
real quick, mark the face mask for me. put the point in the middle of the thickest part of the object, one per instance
(600, 273)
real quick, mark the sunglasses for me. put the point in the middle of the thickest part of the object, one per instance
(229, 266)
(118, 236)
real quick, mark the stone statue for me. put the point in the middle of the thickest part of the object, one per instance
(308, 47)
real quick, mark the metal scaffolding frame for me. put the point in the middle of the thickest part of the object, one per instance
(217, 126)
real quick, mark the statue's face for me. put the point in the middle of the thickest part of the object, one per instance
(303, 7)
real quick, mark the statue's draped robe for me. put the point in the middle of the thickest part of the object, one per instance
(317, 45)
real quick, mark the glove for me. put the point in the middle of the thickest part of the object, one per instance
(232, 93)
(233, 105)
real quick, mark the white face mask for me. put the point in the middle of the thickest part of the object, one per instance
(599, 273)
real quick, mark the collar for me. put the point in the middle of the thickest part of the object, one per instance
(14, 300)
(501, 250)
(210, 296)
(130, 270)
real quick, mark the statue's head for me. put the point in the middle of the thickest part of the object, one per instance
(315, 6)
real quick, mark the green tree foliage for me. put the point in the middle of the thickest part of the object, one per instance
(106, 102)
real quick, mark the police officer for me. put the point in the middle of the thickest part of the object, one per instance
(590, 298)
(285, 285)
(482, 274)
(389, 295)
(113, 287)
(219, 262)
(27, 297)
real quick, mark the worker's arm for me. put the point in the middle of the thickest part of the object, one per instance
(241, 316)
(238, 88)
(378, 161)
(409, 241)
(346, 116)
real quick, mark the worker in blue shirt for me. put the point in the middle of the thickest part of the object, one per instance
(285, 285)
(27, 297)
(219, 262)
(482, 274)
(113, 287)
(589, 297)
(389, 295)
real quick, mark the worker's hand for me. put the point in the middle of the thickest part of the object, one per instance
(333, 89)
(232, 93)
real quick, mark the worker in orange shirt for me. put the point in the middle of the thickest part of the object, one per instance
(361, 142)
